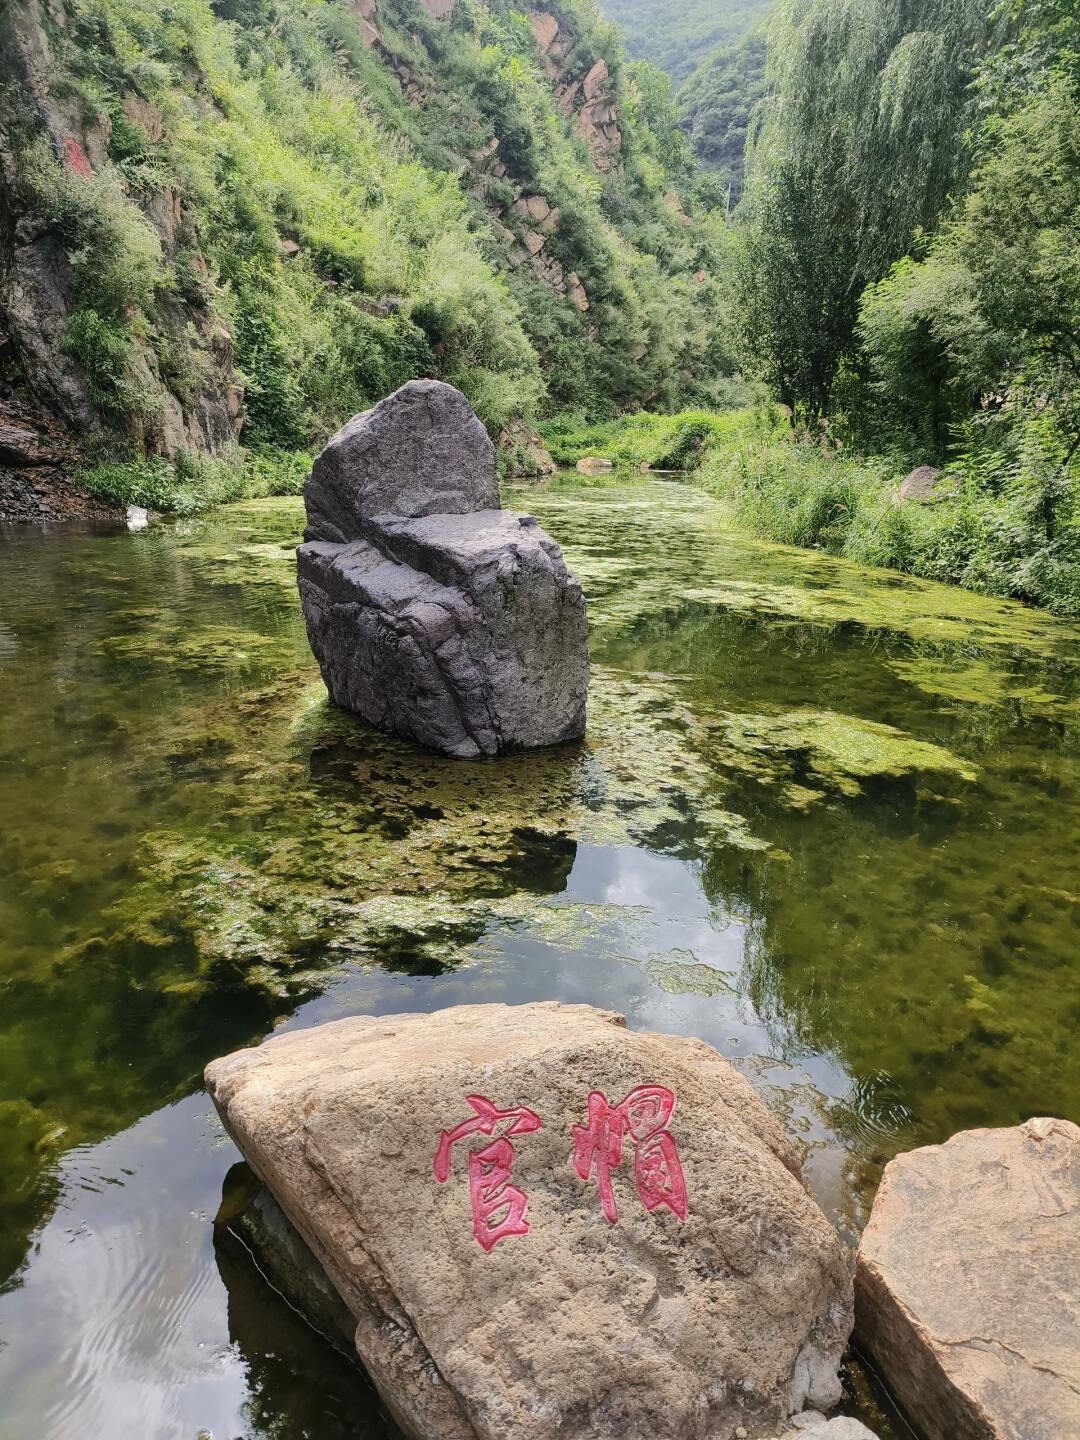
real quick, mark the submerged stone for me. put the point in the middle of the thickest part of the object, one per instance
(433, 613)
(546, 1225)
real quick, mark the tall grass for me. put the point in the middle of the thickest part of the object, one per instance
(984, 529)
(662, 442)
(194, 483)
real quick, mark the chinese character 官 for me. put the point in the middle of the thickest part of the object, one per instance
(498, 1208)
(644, 1115)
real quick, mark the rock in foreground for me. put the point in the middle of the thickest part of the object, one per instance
(968, 1284)
(811, 1425)
(547, 1225)
(431, 612)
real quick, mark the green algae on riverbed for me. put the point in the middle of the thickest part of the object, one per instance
(821, 806)
(623, 529)
(293, 873)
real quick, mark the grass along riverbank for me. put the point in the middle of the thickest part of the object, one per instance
(987, 526)
(192, 483)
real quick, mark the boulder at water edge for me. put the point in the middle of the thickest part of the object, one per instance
(968, 1284)
(812, 1425)
(433, 613)
(546, 1225)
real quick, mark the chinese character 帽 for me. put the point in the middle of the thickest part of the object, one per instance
(644, 1116)
(498, 1208)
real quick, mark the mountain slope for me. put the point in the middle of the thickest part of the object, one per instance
(677, 35)
(716, 104)
(714, 50)
(253, 218)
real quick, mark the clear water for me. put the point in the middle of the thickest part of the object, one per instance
(825, 818)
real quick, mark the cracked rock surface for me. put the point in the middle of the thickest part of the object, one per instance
(968, 1284)
(433, 613)
(654, 1326)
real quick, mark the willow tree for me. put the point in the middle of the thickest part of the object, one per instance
(856, 147)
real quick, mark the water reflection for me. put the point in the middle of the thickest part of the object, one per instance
(824, 820)
(130, 1322)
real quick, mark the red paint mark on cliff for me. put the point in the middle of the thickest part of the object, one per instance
(75, 158)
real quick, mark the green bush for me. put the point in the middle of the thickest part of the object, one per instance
(271, 471)
(115, 252)
(194, 483)
(103, 349)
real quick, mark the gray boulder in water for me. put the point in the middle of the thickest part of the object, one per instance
(433, 613)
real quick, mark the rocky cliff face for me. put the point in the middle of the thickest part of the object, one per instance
(523, 219)
(136, 309)
(48, 389)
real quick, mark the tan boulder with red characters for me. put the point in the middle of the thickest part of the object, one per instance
(546, 1225)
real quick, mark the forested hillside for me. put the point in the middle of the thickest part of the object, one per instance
(716, 106)
(251, 219)
(714, 52)
(677, 35)
(909, 286)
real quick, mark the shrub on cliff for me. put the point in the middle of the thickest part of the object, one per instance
(346, 215)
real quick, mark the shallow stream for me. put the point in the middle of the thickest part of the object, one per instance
(825, 818)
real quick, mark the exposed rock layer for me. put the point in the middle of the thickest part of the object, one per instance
(36, 465)
(731, 1318)
(967, 1289)
(37, 280)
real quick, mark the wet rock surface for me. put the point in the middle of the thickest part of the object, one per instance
(433, 613)
(511, 1268)
(966, 1285)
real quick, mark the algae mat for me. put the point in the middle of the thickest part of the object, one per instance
(824, 817)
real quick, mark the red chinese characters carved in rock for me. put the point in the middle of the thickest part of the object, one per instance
(644, 1115)
(498, 1208)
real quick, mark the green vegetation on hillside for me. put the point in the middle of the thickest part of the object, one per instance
(677, 35)
(714, 50)
(346, 215)
(306, 204)
(717, 105)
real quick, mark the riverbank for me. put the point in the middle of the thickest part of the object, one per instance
(980, 530)
(192, 484)
(982, 527)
